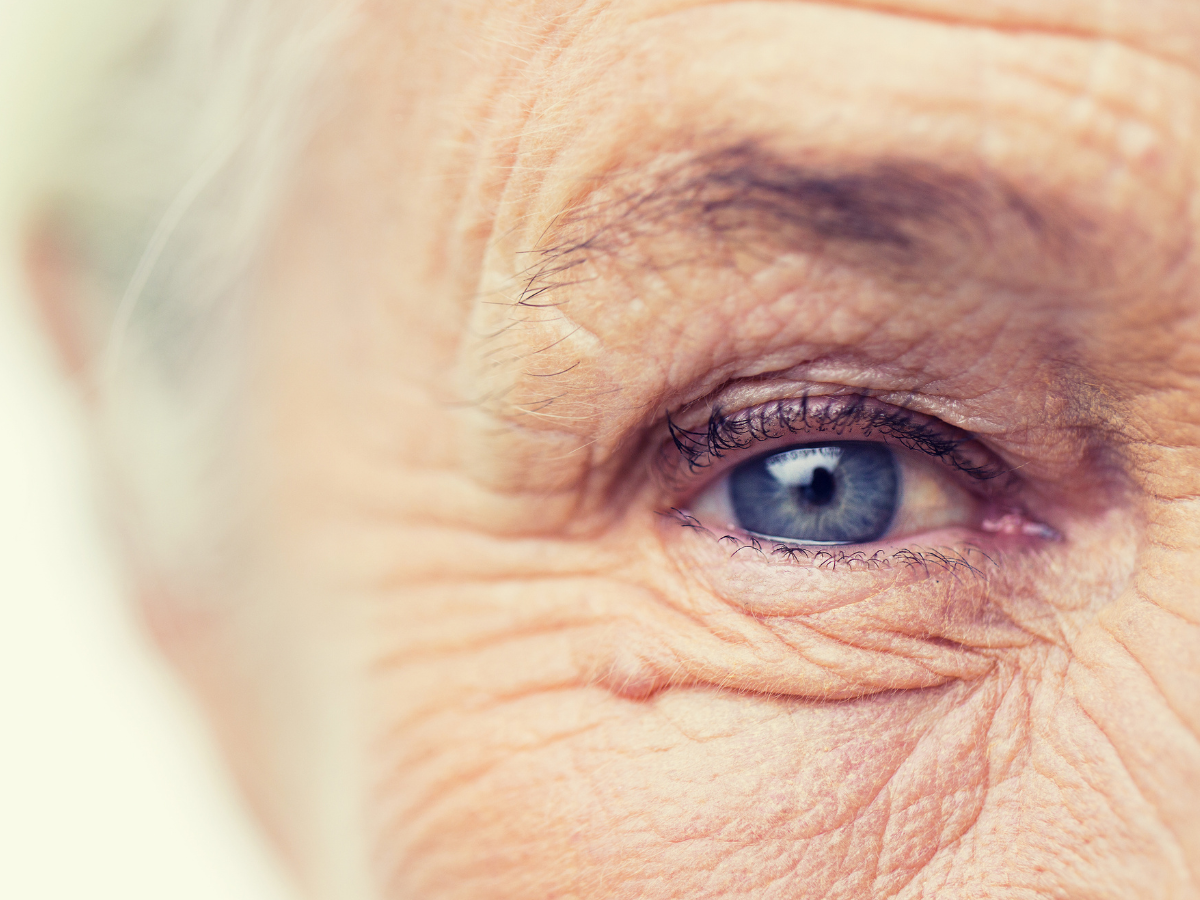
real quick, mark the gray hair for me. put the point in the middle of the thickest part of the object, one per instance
(162, 185)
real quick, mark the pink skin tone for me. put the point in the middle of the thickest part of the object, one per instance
(469, 652)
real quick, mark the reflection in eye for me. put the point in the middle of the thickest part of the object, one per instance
(848, 492)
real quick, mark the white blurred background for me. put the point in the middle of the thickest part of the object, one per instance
(108, 786)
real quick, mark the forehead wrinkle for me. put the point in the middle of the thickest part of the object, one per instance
(1120, 22)
(1172, 40)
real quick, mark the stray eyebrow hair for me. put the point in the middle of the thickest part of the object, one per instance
(899, 218)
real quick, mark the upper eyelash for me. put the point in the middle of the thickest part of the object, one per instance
(732, 432)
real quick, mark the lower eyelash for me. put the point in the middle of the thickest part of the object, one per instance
(969, 561)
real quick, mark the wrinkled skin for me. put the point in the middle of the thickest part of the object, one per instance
(465, 654)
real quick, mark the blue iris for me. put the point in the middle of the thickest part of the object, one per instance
(840, 493)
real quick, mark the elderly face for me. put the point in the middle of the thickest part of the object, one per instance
(729, 449)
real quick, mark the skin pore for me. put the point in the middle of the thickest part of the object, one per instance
(476, 645)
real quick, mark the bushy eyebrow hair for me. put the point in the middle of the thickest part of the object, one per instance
(898, 217)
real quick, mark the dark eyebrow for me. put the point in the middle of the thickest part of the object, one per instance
(900, 218)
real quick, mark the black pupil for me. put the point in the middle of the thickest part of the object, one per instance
(834, 493)
(819, 491)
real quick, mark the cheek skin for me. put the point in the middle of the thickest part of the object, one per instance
(505, 783)
(523, 751)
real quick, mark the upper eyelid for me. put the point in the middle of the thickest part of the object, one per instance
(831, 415)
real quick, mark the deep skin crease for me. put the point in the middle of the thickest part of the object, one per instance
(463, 653)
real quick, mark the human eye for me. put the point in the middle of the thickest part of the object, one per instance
(835, 493)
(845, 472)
